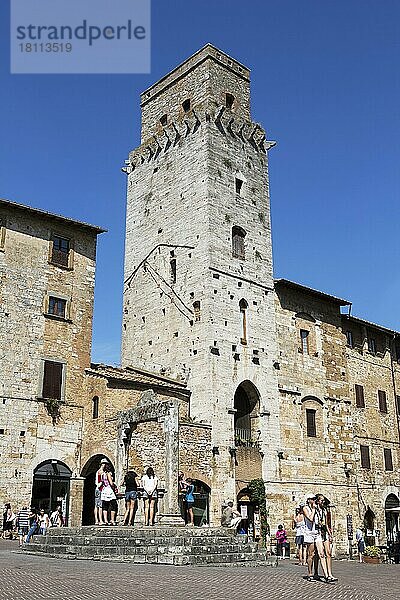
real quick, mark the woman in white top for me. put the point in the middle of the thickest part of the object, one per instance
(313, 538)
(300, 527)
(149, 485)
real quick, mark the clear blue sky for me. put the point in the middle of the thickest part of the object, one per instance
(325, 84)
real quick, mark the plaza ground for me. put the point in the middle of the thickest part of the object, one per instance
(42, 578)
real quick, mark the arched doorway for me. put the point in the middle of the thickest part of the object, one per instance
(88, 472)
(51, 484)
(246, 404)
(369, 526)
(392, 511)
(201, 507)
(247, 510)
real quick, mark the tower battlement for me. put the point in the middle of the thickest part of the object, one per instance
(208, 77)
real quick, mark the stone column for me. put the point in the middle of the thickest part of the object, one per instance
(75, 501)
(171, 512)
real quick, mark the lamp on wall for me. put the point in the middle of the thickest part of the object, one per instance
(280, 454)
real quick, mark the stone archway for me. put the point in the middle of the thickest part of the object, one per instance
(88, 472)
(247, 405)
(51, 486)
(392, 512)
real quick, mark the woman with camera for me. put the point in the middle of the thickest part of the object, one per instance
(322, 507)
(313, 537)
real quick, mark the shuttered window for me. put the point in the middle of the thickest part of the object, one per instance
(52, 380)
(387, 453)
(382, 401)
(60, 251)
(311, 424)
(360, 402)
(365, 460)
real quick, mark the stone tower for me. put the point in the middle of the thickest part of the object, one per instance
(198, 290)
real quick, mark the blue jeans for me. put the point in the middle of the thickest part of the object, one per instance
(33, 529)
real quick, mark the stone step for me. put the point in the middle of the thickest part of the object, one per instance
(141, 531)
(232, 558)
(163, 545)
(105, 550)
(80, 540)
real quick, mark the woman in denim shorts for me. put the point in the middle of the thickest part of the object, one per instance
(150, 494)
(130, 497)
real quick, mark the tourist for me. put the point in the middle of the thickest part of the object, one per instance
(130, 497)
(8, 521)
(56, 517)
(23, 524)
(181, 494)
(149, 485)
(281, 541)
(189, 501)
(108, 497)
(299, 527)
(98, 505)
(360, 544)
(230, 517)
(313, 538)
(44, 522)
(322, 508)
(33, 525)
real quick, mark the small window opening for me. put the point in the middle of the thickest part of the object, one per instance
(22, 434)
(186, 105)
(238, 185)
(349, 339)
(388, 459)
(172, 266)
(196, 310)
(243, 312)
(360, 402)
(304, 340)
(95, 407)
(372, 345)
(2, 431)
(238, 247)
(164, 120)
(229, 100)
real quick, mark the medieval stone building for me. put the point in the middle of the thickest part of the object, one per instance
(226, 373)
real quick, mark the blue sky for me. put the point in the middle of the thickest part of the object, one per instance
(325, 85)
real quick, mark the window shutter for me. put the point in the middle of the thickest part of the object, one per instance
(52, 380)
(365, 460)
(360, 402)
(388, 459)
(382, 401)
(311, 425)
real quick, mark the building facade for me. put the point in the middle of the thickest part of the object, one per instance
(226, 373)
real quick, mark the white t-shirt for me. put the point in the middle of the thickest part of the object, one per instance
(149, 484)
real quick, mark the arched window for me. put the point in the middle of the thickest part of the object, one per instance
(313, 422)
(243, 313)
(238, 236)
(247, 406)
(95, 407)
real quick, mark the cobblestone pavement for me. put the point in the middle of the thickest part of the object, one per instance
(41, 578)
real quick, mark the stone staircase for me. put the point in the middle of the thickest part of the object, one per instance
(161, 545)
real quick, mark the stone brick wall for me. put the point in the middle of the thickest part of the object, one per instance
(30, 335)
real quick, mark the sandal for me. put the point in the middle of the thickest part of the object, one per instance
(310, 578)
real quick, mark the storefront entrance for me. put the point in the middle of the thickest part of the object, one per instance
(51, 485)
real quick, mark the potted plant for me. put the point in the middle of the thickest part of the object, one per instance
(372, 555)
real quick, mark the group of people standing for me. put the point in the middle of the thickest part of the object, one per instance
(313, 530)
(29, 522)
(106, 492)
